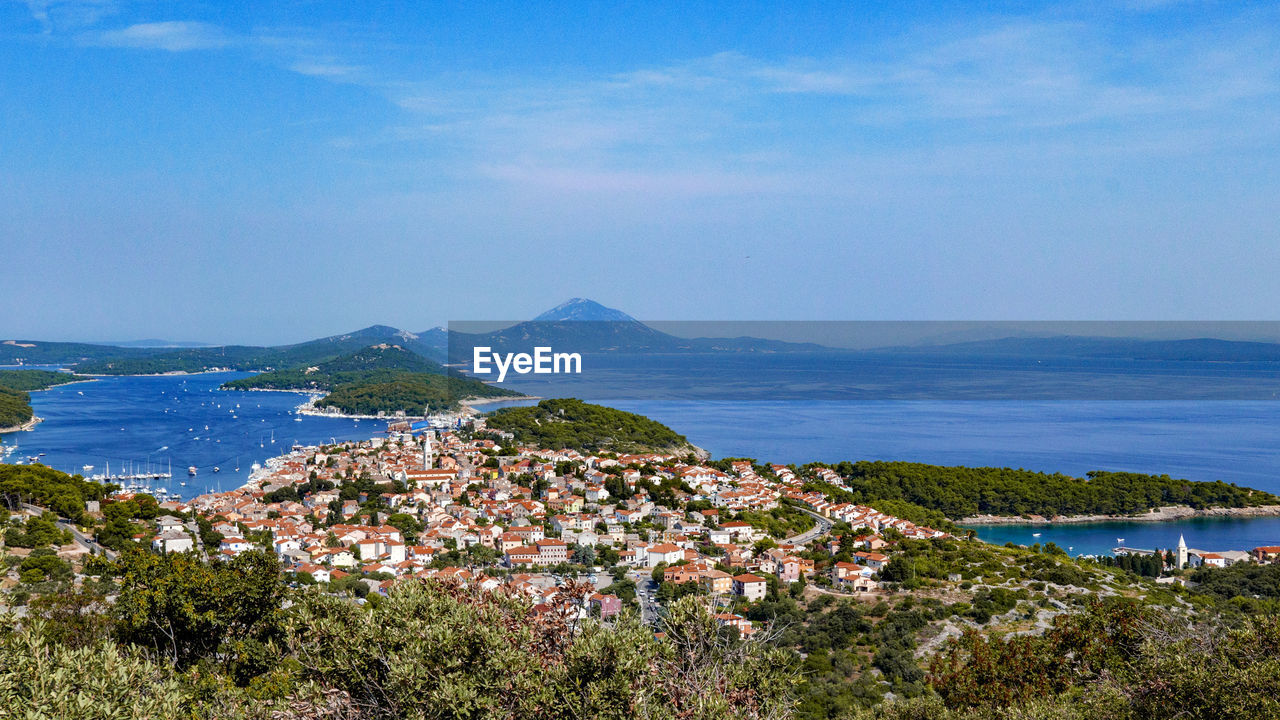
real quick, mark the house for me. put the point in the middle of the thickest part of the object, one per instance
(751, 587)
(842, 570)
(606, 606)
(736, 621)
(234, 544)
(715, 581)
(742, 532)
(852, 577)
(552, 552)
(788, 569)
(875, 561)
(319, 573)
(173, 541)
(1210, 559)
(665, 553)
(857, 583)
(1266, 554)
(680, 574)
(521, 556)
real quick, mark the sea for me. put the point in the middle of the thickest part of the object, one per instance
(168, 423)
(1201, 421)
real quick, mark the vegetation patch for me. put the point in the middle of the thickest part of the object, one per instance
(576, 425)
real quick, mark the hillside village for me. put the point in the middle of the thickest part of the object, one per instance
(466, 504)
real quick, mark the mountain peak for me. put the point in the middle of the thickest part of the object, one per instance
(583, 309)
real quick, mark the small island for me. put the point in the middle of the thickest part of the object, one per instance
(380, 379)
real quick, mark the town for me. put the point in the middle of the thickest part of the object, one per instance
(869, 605)
(472, 505)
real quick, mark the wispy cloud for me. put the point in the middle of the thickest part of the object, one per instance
(173, 36)
(1017, 87)
(55, 15)
(941, 101)
(327, 70)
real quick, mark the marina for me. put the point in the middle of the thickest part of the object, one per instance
(170, 435)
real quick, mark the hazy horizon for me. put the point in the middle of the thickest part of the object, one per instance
(858, 335)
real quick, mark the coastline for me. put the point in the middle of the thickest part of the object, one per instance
(163, 374)
(1167, 513)
(487, 400)
(28, 425)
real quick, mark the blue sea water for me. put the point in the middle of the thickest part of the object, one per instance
(1199, 421)
(173, 421)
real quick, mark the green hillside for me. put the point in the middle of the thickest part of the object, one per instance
(247, 357)
(414, 393)
(960, 492)
(36, 379)
(35, 352)
(573, 424)
(15, 403)
(377, 363)
(15, 407)
(379, 378)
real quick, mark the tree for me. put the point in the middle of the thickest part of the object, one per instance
(899, 569)
(584, 555)
(183, 609)
(405, 523)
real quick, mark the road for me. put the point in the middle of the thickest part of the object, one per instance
(820, 527)
(646, 591)
(80, 537)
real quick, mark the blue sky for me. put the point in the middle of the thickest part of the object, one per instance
(203, 171)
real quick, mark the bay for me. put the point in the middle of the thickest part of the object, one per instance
(1217, 425)
(164, 421)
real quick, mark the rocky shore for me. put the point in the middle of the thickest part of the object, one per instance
(28, 425)
(1162, 514)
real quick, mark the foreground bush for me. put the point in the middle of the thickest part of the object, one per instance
(427, 650)
(1115, 661)
(442, 651)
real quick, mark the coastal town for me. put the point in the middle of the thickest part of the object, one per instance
(467, 503)
(773, 556)
(472, 505)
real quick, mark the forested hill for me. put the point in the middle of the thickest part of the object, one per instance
(414, 393)
(36, 379)
(247, 357)
(38, 352)
(57, 491)
(15, 403)
(377, 363)
(576, 425)
(960, 492)
(380, 378)
(15, 408)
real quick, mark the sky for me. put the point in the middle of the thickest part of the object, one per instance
(271, 172)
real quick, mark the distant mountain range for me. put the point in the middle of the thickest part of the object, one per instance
(1067, 346)
(580, 325)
